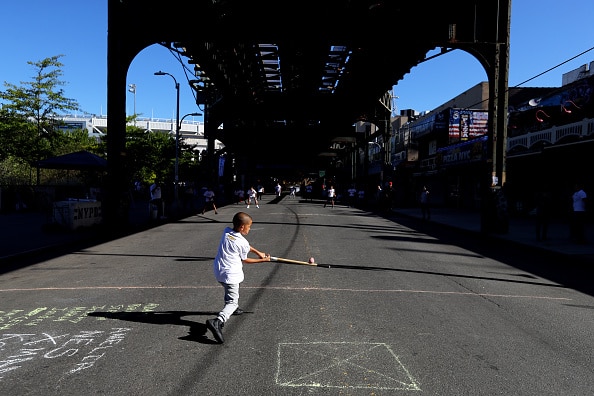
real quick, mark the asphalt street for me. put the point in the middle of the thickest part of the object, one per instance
(396, 307)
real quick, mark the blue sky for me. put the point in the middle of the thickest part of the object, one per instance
(544, 34)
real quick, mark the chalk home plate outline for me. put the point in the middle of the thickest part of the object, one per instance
(354, 365)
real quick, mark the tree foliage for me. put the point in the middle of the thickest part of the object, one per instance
(149, 155)
(30, 131)
(28, 127)
(17, 136)
(42, 99)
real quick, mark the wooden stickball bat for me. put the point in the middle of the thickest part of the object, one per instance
(284, 260)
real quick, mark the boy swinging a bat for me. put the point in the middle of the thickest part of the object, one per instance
(228, 269)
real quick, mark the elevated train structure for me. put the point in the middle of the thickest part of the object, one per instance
(283, 83)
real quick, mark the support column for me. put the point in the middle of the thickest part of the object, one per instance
(115, 199)
(494, 208)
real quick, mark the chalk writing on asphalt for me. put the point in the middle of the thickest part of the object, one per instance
(81, 350)
(76, 351)
(34, 317)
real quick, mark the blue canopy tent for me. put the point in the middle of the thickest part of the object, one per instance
(81, 160)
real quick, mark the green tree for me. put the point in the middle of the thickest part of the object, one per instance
(64, 142)
(17, 136)
(149, 155)
(189, 163)
(42, 99)
(28, 126)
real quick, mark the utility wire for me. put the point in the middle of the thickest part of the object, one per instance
(522, 83)
(554, 67)
(176, 54)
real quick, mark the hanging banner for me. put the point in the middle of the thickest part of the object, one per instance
(467, 124)
(221, 166)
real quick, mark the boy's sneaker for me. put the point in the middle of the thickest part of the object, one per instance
(216, 327)
(248, 206)
(257, 206)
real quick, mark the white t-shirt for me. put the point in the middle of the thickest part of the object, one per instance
(228, 264)
(209, 195)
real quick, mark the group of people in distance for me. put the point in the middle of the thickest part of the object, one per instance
(253, 196)
(352, 196)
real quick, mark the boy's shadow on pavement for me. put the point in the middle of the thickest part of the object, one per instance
(196, 333)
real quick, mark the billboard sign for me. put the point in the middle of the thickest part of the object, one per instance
(467, 124)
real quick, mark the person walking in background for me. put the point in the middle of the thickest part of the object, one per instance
(228, 269)
(156, 198)
(378, 194)
(424, 199)
(330, 196)
(209, 200)
(390, 196)
(578, 215)
(260, 192)
(277, 189)
(252, 196)
(309, 192)
(381, 198)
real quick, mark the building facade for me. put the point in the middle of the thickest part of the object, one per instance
(550, 138)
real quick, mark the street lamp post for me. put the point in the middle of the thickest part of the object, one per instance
(188, 115)
(177, 126)
(381, 152)
(133, 90)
